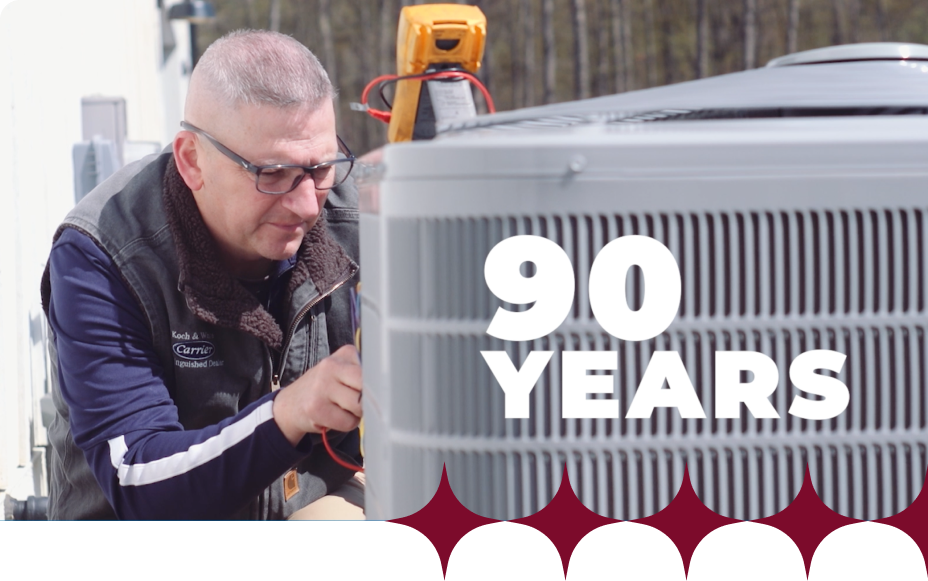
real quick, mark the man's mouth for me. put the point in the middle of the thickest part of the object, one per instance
(288, 227)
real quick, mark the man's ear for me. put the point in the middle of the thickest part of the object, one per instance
(186, 158)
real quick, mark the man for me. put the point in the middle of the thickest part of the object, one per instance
(186, 290)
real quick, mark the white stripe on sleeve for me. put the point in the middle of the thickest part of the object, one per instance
(193, 457)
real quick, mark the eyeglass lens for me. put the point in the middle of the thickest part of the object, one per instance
(285, 179)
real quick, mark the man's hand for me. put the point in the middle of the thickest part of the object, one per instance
(327, 396)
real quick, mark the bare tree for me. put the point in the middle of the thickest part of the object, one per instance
(388, 31)
(670, 66)
(366, 23)
(838, 35)
(516, 52)
(651, 33)
(702, 39)
(627, 46)
(617, 19)
(750, 34)
(274, 19)
(328, 42)
(602, 48)
(252, 15)
(527, 13)
(881, 19)
(853, 17)
(792, 27)
(549, 48)
(581, 51)
(713, 34)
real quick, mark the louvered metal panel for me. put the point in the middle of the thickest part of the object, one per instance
(780, 275)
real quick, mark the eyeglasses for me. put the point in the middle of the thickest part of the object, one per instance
(283, 178)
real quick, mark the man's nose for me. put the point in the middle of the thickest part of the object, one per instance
(304, 200)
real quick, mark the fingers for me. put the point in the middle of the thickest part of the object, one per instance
(332, 401)
(347, 399)
(335, 418)
(347, 353)
(346, 367)
(327, 396)
(340, 375)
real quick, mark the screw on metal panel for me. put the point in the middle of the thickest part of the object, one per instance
(577, 164)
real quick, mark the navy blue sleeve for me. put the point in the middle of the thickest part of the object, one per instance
(123, 417)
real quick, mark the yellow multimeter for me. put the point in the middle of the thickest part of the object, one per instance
(432, 37)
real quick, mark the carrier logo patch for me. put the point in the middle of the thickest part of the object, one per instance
(194, 350)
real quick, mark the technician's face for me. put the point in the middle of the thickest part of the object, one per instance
(252, 228)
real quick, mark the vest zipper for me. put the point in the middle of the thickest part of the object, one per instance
(275, 377)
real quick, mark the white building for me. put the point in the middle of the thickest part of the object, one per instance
(53, 55)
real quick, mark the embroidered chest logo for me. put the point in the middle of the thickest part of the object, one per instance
(194, 350)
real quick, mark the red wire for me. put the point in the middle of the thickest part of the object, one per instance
(385, 115)
(339, 461)
(376, 113)
(370, 86)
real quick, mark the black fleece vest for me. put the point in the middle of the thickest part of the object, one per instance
(145, 219)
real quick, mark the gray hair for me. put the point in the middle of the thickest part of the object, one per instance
(261, 67)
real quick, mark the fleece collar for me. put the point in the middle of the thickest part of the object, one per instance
(213, 295)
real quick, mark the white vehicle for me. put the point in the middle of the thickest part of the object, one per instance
(793, 200)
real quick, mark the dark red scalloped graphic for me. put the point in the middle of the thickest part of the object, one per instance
(686, 521)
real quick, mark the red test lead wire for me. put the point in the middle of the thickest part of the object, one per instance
(385, 115)
(339, 461)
